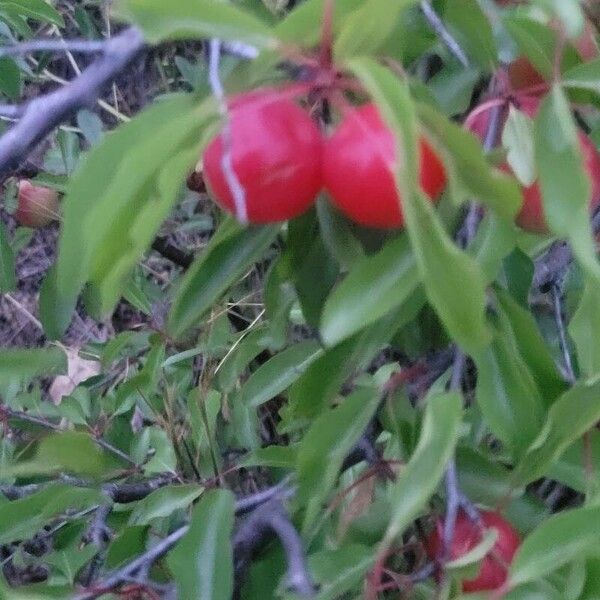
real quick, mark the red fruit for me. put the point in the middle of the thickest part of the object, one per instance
(531, 217)
(36, 206)
(467, 535)
(358, 170)
(276, 153)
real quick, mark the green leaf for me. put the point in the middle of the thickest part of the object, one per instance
(311, 267)
(531, 346)
(584, 328)
(202, 562)
(279, 372)
(469, 173)
(164, 502)
(71, 452)
(564, 183)
(517, 138)
(221, 264)
(325, 446)
(506, 391)
(337, 571)
(23, 518)
(10, 78)
(376, 285)
(8, 280)
(584, 76)
(472, 29)
(321, 382)
(366, 29)
(574, 413)
(419, 479)
(117, 198)
(561, 539)
(34, 9)
(184, 19)
(441, 263)
(303, 24)
(31, 363)
(534, 40)
(337, 235)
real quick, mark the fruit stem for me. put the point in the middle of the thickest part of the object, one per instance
(326, 54)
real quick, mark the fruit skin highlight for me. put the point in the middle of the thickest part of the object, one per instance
(531, 216)
(467, 534)
(358, 170)
(276, 154)
(37, 206)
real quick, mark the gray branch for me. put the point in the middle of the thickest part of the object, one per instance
(54, 45)
(43, 114)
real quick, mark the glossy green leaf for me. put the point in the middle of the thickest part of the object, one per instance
(39, 10)
(441, 263)
(23, 518)
(325, 446)
(561, 539)
(279, 372)
(517, 139)
(222, 262)
(202, 562)
(506, 393)
(470, 176)
(10, 78)
(376, 285)
(311, 267)
(164, 502)
(337, 235)
(419, 479)
(584, 76)
(533, 349)
(107, 227)
(576, 411)
(323, 379)
(337, 571)
(128, 240)
(8, 280)
(368, 27)
(563, 181)
(535, 41)
(303, 24)
(30, 363)
(185, 19)
(472, 29)
(584, 329)
(72, 452)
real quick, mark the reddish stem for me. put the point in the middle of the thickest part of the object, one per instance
(326, 54)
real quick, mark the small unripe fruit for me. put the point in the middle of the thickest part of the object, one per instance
(276, 153)
(467, 534)
(531, 216)
(37, 206)
(358, 170)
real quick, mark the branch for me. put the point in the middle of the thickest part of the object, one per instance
(54, 45)
(440, 30)
(272, 518)
(43, 114)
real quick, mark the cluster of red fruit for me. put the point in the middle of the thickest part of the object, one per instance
(282, 161)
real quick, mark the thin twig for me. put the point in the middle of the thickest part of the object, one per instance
(235, 187)
(442, 32)
(562, 334)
